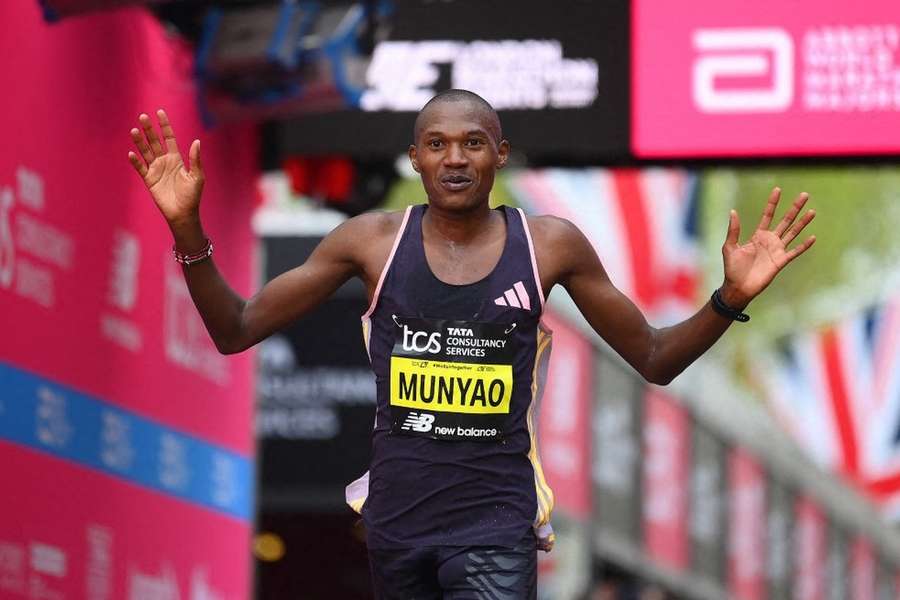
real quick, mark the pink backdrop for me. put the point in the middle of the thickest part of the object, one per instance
(666, 475)
(747, 517)
(810, 541)
(79, 87)
(728, 77)
(93, 303)
(564, 426)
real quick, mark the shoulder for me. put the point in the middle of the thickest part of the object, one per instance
(560, 248)
(368, 229)
(366, 240)
(551, 233)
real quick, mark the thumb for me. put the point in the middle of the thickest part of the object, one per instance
(734, 229)
(196, 165)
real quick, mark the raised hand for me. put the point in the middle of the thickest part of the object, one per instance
(175, 189)
(751, 267)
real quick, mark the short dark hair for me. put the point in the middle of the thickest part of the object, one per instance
(459, 95)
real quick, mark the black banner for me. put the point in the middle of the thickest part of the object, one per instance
(557, 74)
(315, 394)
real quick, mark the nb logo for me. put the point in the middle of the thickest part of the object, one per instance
(418, 422)
(741, 53)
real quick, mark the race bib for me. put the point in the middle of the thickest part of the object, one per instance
(451, 380)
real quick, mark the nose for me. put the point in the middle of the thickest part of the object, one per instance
(455, 157)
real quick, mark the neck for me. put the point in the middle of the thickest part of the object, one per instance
(458, 226)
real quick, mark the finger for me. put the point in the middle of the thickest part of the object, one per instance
(795, 252)
(797, 227)
(734, 229)
(138, 164)
(791, 214)
(141, 143)
(769, 210)
(167, 131)
(150, 132)
(196, 165)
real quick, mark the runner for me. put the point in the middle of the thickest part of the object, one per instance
(455, 502)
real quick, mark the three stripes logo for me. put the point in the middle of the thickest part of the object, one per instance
(516, 296)
(418, 422)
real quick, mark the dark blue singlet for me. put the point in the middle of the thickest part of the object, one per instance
(459, 372)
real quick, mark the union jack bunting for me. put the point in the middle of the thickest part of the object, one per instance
(642, 223)
(837, 391)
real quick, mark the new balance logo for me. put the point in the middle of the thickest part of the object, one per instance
(417, 422)
(515, 296)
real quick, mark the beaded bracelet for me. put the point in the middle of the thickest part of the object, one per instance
(189, 259)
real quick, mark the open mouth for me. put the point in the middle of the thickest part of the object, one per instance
(455, 183)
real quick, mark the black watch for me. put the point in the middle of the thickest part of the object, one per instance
(726, 311)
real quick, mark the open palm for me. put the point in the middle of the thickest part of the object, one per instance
(175, 189)
(750, 267)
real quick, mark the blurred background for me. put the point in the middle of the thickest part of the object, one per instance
(139, 463)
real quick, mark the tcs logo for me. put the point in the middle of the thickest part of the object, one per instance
(420, 341)
(731, 53)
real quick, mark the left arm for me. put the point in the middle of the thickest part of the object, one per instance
(659, 355)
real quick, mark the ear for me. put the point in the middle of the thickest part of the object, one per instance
(413, 158)
(502, 154)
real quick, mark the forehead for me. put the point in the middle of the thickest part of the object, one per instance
(455, 118)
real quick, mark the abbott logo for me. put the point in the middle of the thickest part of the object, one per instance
(741, 53)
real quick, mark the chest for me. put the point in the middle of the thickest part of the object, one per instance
(462, 264)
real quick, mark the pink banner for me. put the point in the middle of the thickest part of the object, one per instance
(666, 477)
(565, 419)
(810, 551)
(862, 570)
(126, 438)
(730, 78)
(90, 294)
(747, 526)
(80, 534)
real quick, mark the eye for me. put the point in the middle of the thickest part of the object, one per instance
(435, 143)
(474, 142)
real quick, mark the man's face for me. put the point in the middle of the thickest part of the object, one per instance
(457, 154)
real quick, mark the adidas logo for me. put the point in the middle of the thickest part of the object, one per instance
(417, 422)
(515, 296)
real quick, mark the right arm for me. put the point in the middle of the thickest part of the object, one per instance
(234, 323)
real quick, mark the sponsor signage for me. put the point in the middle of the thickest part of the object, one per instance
(616, 453)
(810, 550)
(862, 569)
(560, 86)
(315, 392)
(708, 503)
(666, 478)
(90, 294)
(125, 436)
(779, 540)
(747, 526)
(837, 565)
(78, 534)
(564, 422)
(728, 78)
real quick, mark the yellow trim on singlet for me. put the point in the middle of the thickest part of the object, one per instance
(367, 332)
(544, 493)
